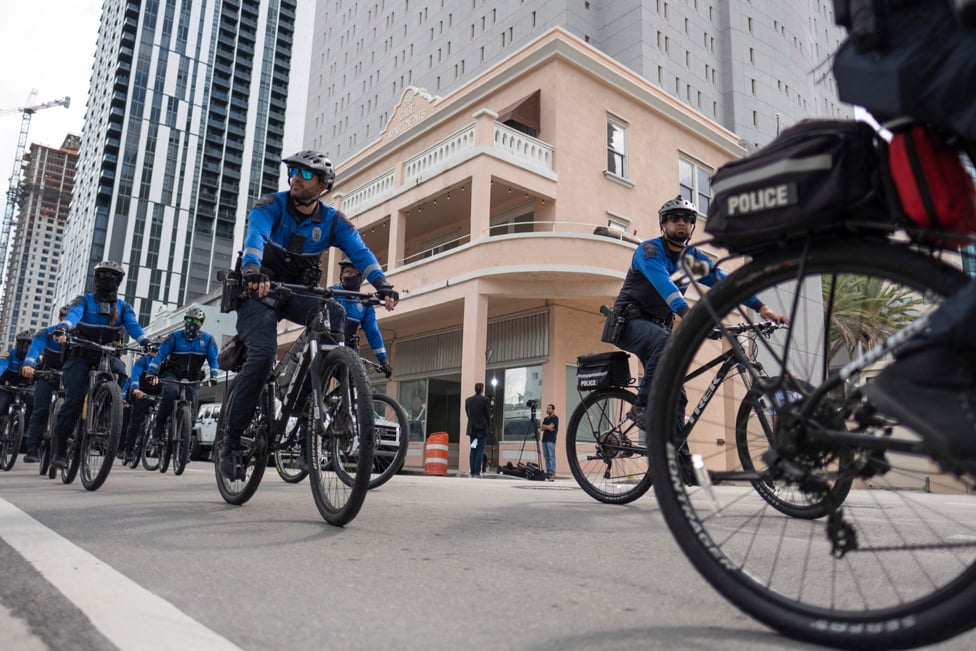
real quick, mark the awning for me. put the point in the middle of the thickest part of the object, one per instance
(525, 111)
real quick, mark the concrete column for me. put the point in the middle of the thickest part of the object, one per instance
(480, 177)
(397, 243)
(474, 339)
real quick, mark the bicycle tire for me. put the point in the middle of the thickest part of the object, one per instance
(166, 446)
(73, 454)
(46, 449)
(908, 581)
(341, 449)
(151, 449)
(288, 454)
(13, 433)
(606, 461)
(103, 429)
(181, 438)
(392, 428)
(752, 441)
(254, 442)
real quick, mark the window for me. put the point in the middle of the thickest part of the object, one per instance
(617, 148)
(518, 387)
(694, 181)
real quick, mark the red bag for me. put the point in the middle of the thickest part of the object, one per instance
(935, 189)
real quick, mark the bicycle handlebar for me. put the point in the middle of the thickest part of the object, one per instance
(112, 348)
(288, 289)
(764, 328)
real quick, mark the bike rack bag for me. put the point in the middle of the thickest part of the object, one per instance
(602, 370)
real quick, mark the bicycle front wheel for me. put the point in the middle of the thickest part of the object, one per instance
(392, 427)
(103, 429)
(69, 472)
(289, 458)
(341, 445)
(13, 433)
(894, 566)
(46, 449)
(182, 422)
(166, 445)
(606, 450)
(152, 448)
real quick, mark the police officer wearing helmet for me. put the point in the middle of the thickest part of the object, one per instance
(359, 315)
(98, 316)
(45, 352)
(649, 298)
(287, 232)
(10, 371)
(181, 357)
(138, 393)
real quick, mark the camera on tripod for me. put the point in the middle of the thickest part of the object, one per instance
(532, 404)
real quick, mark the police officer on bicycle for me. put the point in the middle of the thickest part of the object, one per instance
(45, 352)
(649, 298)
(98, 316)
(287, 232)
(359, 315)
(181, 357)
(134, 392)
(10, 372)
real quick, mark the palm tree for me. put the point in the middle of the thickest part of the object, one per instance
(866, 311)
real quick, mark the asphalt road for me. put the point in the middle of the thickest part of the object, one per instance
(155, 561)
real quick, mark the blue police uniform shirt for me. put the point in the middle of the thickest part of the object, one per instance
(272, 227)
(44, 344)
(90, 322)
(359, 315)
(12, 362)
(186, 356)
(137, 370)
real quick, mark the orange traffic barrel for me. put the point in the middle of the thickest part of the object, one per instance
(435, 455)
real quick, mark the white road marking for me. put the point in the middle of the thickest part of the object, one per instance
(130, 616)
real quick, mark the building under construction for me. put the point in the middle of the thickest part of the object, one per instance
(32, 266)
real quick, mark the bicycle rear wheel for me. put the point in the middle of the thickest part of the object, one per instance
(181, 438)
(151, 451)
(288, 458)
(890, 568)
(46, 449)
(166, 445)
(341, 446)
(607, 451)
(254, 448)
(103, 428)
(69, 472)
(392, 427)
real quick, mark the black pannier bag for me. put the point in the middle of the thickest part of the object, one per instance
(602, 370)
(814, 176)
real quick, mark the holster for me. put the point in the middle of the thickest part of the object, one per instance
(614, 324)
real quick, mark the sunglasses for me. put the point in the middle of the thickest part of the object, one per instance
(308, 175)
(192, 321)
(688, 218)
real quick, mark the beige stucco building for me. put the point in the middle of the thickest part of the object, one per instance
(506, 213)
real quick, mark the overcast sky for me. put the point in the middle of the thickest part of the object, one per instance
(50, 46)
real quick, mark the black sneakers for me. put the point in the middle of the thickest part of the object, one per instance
(933, 392)
(232, 464)
(31, 456)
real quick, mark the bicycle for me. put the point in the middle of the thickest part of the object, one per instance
(12, 425)
(44, 448)
(149, 449)
(176, 447)
(95, 439)
(321, 374)
(607, 448)
(872, 568)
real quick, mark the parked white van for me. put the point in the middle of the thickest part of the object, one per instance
(204, 431)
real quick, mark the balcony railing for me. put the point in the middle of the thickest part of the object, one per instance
(508, 144)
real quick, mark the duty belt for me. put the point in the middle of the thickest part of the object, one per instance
(634, 312)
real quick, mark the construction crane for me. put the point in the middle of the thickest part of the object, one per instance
(13, 192)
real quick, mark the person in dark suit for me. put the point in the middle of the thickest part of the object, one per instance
(478, 410)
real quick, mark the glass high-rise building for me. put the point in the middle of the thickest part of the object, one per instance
(35, 255)
(183, 131)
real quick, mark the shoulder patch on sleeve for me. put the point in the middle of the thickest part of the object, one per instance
(265, 200)
(649, 249)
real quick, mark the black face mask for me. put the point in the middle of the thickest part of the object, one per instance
(191, 330)
(106, 287)
(22, 347)
(352, 283)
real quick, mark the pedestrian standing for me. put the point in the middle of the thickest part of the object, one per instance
(478, 410)
(550, 428)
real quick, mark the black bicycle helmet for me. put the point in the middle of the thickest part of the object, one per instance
(677, 205)
(110, 267)
(315, 161)
(25, 335)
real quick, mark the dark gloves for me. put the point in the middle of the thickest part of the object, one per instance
(385, 289)
(255, 277)
(58, 333)
(386, 368)
(150, 348)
